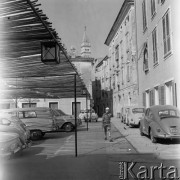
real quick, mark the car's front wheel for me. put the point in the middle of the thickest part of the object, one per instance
(68, 127)
(153, 139)
(140, 129)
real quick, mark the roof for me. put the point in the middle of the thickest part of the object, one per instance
(120, 17)
(23, 27)
(85, 38)
(101, 61)
(82, 59)
(157, 108)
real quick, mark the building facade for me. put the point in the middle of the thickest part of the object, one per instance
(67, 105)
(158, 52)
(101, 90)
(122, 54)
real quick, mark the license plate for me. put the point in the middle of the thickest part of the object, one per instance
(174, 130)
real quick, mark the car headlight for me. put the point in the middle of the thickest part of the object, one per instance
(158, 130)
(13, 146)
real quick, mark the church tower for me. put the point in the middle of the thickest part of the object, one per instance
(85, 46)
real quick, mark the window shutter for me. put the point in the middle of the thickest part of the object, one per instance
(174, 93)
(162, 95)
(144, 99)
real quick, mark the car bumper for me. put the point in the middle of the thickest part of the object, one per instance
(166, 136)
(7, 155)
(134, 123)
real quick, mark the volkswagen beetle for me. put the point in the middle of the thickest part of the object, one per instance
(161, 122)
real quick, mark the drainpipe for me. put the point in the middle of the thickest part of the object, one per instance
(137, 69)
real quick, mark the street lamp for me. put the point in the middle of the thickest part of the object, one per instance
(50, 53)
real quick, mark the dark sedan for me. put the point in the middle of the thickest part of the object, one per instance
(161, 122)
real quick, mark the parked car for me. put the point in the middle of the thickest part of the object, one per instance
(161, 122)
(10, 144)
(90, 115)
(124, 113)
(134, 114)
(39, 120)
(67, 122)
(82, 114)
(12, 124)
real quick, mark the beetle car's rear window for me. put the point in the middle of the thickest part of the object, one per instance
(168, 113)
(138, 110)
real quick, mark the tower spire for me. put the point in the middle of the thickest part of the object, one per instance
(85, 46)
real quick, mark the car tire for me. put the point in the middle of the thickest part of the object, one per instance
(36, 134)
(130, 125)
(140, 129)
(68, 127)
(153, 139)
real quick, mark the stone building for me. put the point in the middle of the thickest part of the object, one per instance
(122, 58)
(101, 90)
(158, 51)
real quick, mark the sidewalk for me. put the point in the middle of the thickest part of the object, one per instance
(143, 145)
(97, 159)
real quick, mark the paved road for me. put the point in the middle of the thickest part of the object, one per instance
(165, 149)
(53, 157)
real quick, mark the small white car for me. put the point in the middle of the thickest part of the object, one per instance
(90, 115)
(134, 115)
(82, 114)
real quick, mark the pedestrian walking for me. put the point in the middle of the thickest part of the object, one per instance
(106, 124)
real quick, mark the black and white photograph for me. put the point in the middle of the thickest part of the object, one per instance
(89, 90)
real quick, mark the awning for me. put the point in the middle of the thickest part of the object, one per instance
(22, 28)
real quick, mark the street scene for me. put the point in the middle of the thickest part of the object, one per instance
(89, 90)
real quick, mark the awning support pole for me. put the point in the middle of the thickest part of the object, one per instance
(75, 114)
(87, 108)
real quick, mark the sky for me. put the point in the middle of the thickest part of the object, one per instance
(69, 17)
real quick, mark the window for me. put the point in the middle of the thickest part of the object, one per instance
(27, 114)
(121, 49)
(144, 15)
(122, 75)
(128, 73)
(53, 105)
(145, 56)
(117, 53)
(138, 110)
(162, 1)
(27, 105)
(153, 8)
(154, 40)
(127, 41)
(118, 87)
(166, 34)
(144, 99)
